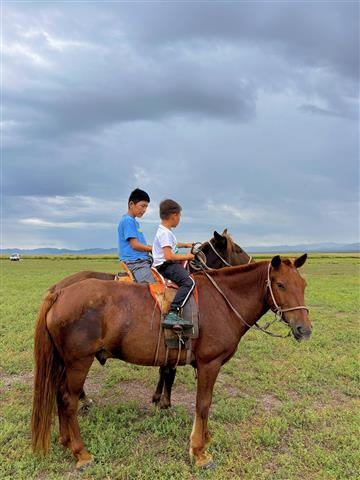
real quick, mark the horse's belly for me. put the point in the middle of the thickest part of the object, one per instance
(147, 350)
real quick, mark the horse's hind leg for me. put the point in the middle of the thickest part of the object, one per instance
(75, 378)
(61, 398)
(169, 374)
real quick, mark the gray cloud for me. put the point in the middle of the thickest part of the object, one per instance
(247, 114)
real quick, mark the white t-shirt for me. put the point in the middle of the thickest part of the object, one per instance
(164, 238)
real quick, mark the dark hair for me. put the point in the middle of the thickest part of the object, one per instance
(138, 195)
(168, 207)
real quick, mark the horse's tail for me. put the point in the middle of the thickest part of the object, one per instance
(49, 370)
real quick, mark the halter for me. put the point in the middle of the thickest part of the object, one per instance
(278, 310)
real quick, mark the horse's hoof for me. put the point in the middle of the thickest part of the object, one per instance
(209, 466)
(84, 463)
(156, 398)
(164, 403)
(204, 461)
(86, 405)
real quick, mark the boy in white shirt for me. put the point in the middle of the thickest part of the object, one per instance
(167, 262)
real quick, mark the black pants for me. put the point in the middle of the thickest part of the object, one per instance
(176, 273)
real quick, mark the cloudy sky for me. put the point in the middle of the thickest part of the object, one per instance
(246, 113)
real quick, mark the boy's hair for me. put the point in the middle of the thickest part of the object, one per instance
(168, 207)
(138, 195)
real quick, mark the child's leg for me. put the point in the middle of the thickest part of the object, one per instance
(178, 274)
(141, 269)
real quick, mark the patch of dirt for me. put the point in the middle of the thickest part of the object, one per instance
(128, 391)
(181, 396)
(8, 380)
(269, 402)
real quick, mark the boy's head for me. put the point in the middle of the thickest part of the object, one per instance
(170, 211)
(138, 202)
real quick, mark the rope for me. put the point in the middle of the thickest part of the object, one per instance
(218, 254)
(278, 312)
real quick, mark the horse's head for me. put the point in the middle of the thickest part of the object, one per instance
(222, 251)
(286, 289)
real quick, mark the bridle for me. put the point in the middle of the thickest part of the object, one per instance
(277, 309)
(201, 257)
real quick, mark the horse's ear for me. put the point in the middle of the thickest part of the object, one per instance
(276, 261)
(219, 238)
(224, 232)
(299, 262)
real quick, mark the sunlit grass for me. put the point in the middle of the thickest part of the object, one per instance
(281, 410)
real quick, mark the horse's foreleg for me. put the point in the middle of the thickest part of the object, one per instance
(159, 388)
(169, 374)
(75, 378)
(207, 374)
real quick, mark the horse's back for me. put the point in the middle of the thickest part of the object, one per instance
(78, 277)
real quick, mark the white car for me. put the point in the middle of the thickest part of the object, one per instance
(15, 257)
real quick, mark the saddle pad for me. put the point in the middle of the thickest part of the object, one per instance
(164, 294)
(125, 276)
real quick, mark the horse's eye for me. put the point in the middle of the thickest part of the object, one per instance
(280, 285)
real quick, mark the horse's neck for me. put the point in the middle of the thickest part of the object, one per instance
(245, 288)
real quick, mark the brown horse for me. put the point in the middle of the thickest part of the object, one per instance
(219, 251)
(92, 316)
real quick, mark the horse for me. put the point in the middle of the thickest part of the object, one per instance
(92, 316)
(218, 252)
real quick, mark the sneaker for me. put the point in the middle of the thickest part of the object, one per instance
(176, 323)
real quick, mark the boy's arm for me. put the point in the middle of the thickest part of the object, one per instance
(184, 245)
(139, 247)
(171, 256)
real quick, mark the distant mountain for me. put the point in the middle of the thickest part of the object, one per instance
(311, 247)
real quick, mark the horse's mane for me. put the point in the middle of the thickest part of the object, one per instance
(230, 244)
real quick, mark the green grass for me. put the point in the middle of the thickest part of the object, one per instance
(281, 410)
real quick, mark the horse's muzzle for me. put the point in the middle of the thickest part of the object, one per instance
(301, 333)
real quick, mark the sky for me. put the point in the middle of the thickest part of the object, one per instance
(246, 113)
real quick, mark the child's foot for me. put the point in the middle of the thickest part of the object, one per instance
(177, 323)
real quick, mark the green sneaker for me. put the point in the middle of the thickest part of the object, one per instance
(176, 323)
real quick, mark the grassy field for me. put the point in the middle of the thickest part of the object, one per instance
(281, 410)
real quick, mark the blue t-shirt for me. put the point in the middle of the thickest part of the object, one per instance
(130, 228)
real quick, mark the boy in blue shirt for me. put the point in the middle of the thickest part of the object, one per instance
(133, 249)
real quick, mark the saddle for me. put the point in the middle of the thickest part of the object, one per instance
(163, 292)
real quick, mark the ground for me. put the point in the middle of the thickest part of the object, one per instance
(281, 410)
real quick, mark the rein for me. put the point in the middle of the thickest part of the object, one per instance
(278, 310)
(201, 257)
(218, 254)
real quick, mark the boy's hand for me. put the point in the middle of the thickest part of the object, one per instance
(195, 248)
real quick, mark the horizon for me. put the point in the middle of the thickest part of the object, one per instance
(284, 248)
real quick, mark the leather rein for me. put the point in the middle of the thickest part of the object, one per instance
(277, 309)
(201, 257)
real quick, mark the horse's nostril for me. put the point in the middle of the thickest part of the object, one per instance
(303, 331)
